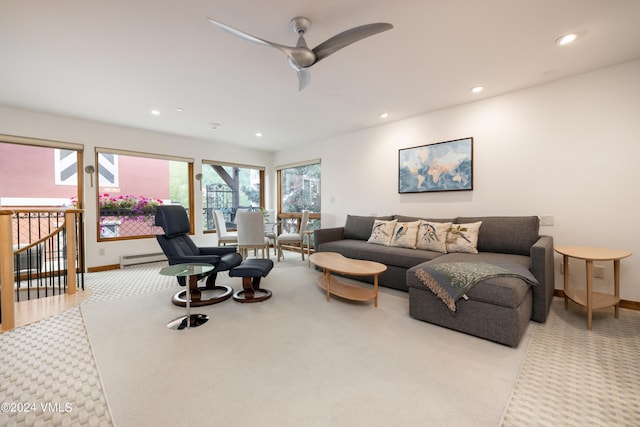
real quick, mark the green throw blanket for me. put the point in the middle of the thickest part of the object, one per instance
(451, 281)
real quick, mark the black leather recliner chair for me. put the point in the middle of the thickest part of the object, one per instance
(180, 249)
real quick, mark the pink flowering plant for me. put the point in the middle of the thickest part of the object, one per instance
(136, 205)
(127, 215)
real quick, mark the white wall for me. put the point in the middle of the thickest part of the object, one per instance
(93, 134)
(570, 149)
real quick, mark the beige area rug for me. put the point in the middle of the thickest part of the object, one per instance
(576, 377)
(295, 360)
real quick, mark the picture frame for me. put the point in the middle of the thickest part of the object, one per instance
(443, 166)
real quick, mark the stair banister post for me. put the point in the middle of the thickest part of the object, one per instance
(7, 303)
(70, 231)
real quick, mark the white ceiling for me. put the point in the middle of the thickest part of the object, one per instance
(114, 61)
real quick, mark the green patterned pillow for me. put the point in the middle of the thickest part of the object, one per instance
(382, 232)
(404, 235)
(432, 236)
(463, 237)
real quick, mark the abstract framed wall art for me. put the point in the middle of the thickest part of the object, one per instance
(444, 166)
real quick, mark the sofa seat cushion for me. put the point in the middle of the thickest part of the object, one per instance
(502, 291)
(387, 255)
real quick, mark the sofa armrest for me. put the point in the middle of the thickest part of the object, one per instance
(542, 267)
(323, 235)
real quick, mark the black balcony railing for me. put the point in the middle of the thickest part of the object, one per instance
(44, 258)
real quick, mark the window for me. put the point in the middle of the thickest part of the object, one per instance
(37, 177)
(131, 186)
(299, 189)
(38, 173)
(229, 187)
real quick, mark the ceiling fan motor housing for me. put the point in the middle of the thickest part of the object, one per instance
(300, 25)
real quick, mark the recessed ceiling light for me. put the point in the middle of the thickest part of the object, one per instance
(155, 112)
(179, 110)
(215, 125)
(566, 39)
(258, 134)
(384, 115)
(477, 89)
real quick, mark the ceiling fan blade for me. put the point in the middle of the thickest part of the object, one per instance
(304, 77)
(242, 34)
(301, 55)
(348, 37)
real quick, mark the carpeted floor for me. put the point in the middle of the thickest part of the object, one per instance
(300, 372)
(294, 360)
(49, 376)
(576, 377)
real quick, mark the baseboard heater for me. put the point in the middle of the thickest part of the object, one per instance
(129, 260)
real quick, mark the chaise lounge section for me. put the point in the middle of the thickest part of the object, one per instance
(498, 308)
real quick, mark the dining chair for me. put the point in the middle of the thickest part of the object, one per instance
(294, 239)
(224, 236)
(251, 233)
(271, 227)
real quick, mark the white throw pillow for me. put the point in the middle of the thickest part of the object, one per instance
(382, 232)
(463, 237)
(432, 236)
(404, 235)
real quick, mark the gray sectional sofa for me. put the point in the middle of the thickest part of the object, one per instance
(496, 309)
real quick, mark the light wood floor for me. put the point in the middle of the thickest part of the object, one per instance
(31, 311)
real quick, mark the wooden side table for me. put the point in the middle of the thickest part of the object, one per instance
(592, 300)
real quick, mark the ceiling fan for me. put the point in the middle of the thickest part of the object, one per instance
(300, 56)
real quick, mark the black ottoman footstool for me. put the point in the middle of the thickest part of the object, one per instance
(251, 271)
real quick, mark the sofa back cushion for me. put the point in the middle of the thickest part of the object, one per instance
(359, 227)
(506, 234)
(432, 236)
(405, 234)
(382, 232)
(404, 218)
(463, 237)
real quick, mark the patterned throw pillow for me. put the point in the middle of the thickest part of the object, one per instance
(463, 237)
(433, 236)
(404, 235)
(382, 232)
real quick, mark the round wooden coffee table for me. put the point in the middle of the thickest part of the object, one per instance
(336, 263)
